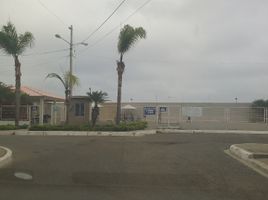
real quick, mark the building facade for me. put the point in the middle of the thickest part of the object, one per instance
(45, 108)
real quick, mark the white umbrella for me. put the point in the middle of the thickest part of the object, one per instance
(128, 107)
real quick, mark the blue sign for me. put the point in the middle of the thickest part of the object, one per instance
(149, 110)
(163, 109)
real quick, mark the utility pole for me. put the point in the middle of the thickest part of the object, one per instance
(71, 44)
(71, 57)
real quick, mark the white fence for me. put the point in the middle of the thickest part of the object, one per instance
(175, 114)
(190, 117)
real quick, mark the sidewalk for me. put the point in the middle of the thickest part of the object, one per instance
(5, 156)
(210, 131)
(25, 132)
(254, 155)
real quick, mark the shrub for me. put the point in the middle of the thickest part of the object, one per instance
(58, 128)
(131, 126)
(12, 127)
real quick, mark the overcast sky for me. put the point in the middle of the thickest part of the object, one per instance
(197, 51)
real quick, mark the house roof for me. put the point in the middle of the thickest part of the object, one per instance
(33, 92)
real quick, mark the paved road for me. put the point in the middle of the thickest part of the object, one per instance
(170, 166)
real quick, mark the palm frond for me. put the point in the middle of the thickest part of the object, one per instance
(55, 75)
(97, 97)
(10, 30)
(9, 39)
(128, 37)
(25, 40)
(70, 79)
(5, 44)
(11, 43)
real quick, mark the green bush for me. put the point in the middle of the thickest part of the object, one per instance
(12, 127)
(124, 126)
(58, 128)
(131, 126)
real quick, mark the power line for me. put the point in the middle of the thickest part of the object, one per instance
(36, 64)
(49, 62)
(56, 16)
(41, 53)
(46, 52)
(137, 10)
(104, 21)
(112, 30)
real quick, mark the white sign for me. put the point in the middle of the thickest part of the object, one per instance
(192, 111)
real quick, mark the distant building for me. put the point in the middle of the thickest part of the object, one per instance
(46, 108)
(79, 112)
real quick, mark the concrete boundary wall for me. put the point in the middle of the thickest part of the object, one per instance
(203, 116)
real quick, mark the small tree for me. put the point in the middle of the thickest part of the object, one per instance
(96, 97)
(260, 103)
(13, 44)
(7, 96)
(127, 38)
(68, 80)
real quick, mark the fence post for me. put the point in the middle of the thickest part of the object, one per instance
(180, 114)
(0, 112)
(157, 115)
(168, 116)
(227, 116)
(265, 115)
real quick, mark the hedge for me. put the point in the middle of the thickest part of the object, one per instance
(12, 127)
(130, 126)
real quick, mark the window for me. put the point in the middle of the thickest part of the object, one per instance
(79, 109)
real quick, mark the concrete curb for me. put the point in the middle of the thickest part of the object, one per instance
(79, 133)
(163, 131)
(6, 158)
(249, 158)
(127, 133)
(240, 152)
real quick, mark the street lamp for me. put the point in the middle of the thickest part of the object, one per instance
(71, 51)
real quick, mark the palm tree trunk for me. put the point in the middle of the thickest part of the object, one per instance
(95, 113)
(120, 70)
(17, 91)
(67, 107)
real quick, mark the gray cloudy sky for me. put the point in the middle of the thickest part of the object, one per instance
(199, 51)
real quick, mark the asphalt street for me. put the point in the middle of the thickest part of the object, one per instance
(162, 166)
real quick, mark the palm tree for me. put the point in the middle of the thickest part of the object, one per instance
(127, 38)
(15, 44)
(68, 80)
(96, 97)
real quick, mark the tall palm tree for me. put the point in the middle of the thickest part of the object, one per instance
(96, 97)
(127, 38)
(15, 44)
(68, 80)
